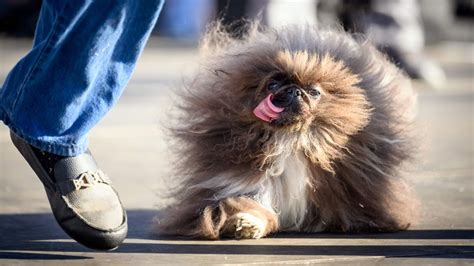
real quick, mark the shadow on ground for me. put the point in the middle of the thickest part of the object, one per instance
(25, 236)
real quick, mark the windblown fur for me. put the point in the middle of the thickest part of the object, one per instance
(336, 168)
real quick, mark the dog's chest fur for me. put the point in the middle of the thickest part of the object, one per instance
(285, 190)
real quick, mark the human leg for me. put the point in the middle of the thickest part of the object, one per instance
(82, 57)
(396, 28)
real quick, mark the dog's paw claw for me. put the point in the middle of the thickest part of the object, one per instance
(247, 226)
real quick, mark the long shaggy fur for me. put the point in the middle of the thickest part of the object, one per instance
(336, 169)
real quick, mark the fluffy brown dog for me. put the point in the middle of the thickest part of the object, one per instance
(299, 129)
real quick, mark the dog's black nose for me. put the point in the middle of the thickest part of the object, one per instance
(286, 96)
(293, 91)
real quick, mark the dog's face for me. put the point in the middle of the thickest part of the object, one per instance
(295, 101)
(302, 90)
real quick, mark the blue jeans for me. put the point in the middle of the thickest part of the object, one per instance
(83, 55)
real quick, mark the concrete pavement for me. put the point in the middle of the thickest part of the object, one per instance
(131, 148)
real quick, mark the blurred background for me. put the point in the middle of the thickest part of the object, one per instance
(186, 19)
(401, 28)
(432, 40)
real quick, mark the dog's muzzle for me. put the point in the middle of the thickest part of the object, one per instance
(287, 96)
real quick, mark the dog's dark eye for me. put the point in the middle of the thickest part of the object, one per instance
(273, 86)
(314, 91)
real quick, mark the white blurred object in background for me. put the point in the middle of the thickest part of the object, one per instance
(281, 12)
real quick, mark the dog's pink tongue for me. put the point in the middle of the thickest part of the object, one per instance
(266, 110)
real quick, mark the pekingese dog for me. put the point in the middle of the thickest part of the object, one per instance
(297, 129)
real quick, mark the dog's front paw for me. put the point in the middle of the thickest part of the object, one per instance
(247, 226)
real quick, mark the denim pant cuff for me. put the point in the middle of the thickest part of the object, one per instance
(45, 144)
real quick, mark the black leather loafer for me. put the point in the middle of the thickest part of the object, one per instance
(81, 198)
